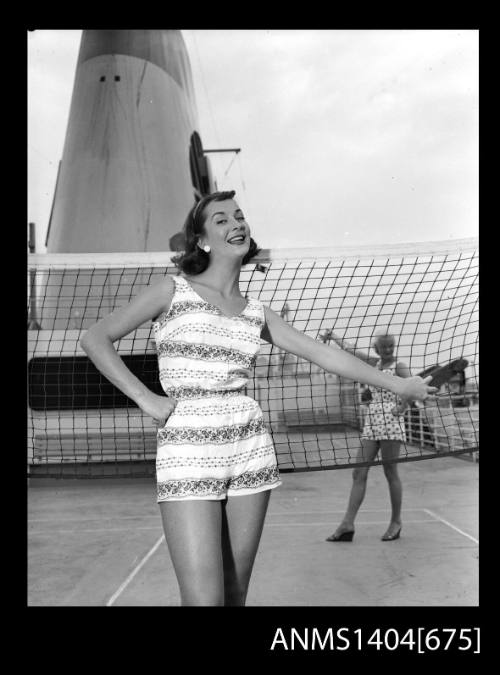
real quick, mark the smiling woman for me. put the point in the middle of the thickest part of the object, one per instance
(216, 462)
(195, 258)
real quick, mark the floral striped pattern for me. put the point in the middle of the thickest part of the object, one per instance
(201, 435)
(215, 444)
(205, 352)
(210, 488)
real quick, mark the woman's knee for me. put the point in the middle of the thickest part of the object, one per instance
(237, 572)
(391, 472)
(360, 474)
(201, 596)
(235, 594)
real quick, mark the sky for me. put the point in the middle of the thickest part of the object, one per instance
(347, 137)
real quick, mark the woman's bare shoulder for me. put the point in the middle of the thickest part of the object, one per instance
(164, 290)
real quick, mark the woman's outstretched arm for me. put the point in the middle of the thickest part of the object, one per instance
(338, 361)
(98, 341)
(352, 349)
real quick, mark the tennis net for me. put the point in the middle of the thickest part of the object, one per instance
(426, 294)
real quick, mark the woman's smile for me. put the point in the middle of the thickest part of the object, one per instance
(237, 239)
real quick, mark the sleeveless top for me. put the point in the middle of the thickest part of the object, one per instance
(214, 353)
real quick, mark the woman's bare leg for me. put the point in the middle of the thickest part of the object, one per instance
(193, 533)
(366, 453)
(390, 450)
(242, 524)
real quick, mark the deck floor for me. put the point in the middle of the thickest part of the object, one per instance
(99, 542)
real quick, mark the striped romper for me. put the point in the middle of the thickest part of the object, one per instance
(215, 443)
(380, 424)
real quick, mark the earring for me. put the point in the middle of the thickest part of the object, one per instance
(206, 248)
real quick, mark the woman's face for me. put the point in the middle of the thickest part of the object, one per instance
(384, 346)
(226, 231)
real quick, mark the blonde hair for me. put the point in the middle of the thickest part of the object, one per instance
(384, 332)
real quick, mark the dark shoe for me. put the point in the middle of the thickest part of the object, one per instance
(344, 536)
(391, 537)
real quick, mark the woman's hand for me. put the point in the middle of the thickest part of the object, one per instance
(417, 388)
(413, 389)
(158, 407)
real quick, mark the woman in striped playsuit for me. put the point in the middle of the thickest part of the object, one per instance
(216, 463)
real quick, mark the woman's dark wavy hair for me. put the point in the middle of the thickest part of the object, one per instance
(193, 260)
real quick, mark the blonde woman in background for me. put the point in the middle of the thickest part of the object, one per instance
(383, 430)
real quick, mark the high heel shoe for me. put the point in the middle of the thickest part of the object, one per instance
(391, 537)
(344, 536)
